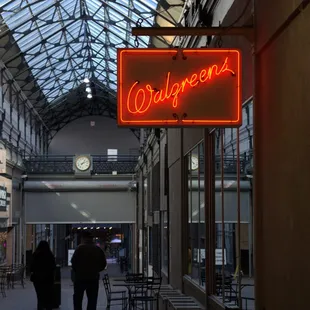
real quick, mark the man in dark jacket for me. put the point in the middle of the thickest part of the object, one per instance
(87, 262)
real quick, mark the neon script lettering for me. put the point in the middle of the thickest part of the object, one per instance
(139, 100)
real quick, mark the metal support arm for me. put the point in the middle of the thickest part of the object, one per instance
(246, 31)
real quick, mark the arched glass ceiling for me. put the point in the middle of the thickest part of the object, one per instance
(64, 41)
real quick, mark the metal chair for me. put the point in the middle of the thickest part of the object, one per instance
(3, 280)
(134, 277)
(15, 273)
(146, 295)
(114, 296)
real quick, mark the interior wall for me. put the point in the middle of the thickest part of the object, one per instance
(79, 137)
(281, 182)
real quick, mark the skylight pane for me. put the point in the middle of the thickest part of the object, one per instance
(93, 5)
(23, 27)
(39, 6)
(120, 8)
(115, 16)
(38, 59)
(9, 4)
(20, 18)
(54, 37)
(69, 7)
(68, 86)
(46, 15)
(29, 41)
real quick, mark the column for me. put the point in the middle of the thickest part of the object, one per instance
(281, 153)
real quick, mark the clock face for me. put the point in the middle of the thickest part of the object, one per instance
(194, 162)
(82, 163)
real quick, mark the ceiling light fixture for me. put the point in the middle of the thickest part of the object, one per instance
(88, 89)
(86, 80)
(89, 96)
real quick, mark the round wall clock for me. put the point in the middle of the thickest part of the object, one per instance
(194, 162)
(82, 163)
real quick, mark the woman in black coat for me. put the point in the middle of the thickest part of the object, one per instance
(42, 275)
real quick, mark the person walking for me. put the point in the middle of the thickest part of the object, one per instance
(42, 275)
(87, 262)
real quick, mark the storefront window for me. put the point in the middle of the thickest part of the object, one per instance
(164, 241)
(233, 224)
(3, 245)
(196, 215)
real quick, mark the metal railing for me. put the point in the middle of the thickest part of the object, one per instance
(101, 164)
(230, 164)
(122, 164)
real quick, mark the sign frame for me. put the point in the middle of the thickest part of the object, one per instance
(180, 121)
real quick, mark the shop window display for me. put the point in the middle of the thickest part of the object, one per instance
(196, 215)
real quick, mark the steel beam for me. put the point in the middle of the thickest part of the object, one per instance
(246, 31)
(1, 87)
(10, 85)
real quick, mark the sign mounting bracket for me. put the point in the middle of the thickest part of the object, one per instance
(246, 31)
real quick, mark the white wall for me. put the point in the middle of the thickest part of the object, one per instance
(79, 137)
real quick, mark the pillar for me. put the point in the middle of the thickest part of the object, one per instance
(282, 152)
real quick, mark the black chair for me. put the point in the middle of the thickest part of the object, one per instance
(114, 296)
(228, 279)
(15, 273)
(146, 295)
(134, 277)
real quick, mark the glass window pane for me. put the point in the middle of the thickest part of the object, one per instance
(189, 193)
(195, 206)
(202, 225)
(164, 241)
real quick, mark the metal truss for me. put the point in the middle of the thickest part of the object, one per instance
(50, 46)
(102, 164)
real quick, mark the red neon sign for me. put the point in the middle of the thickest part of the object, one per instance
(171, 87)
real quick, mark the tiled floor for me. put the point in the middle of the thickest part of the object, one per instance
(25, 299)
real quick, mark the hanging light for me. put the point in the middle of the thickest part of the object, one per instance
(86, 80)
(89, 96)
(88, 89)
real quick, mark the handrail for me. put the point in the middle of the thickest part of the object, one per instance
(27, 158)
(63, 164)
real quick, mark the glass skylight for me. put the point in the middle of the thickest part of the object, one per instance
(64, 41)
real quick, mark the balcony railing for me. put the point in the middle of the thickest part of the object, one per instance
(229, 164)
(121, 164)
(102, 164)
